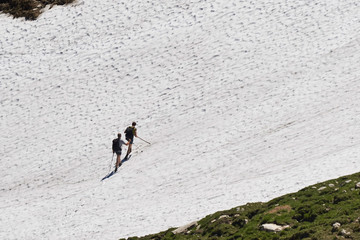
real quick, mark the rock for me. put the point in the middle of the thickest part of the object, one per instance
(336, 226)
(348, 181)
(185, 228)
(224, 216)
(357, 185)
(271, 227)
(322, 188)
(331, 185)
(345, 233)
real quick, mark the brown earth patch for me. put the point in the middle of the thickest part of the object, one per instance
(277, 209)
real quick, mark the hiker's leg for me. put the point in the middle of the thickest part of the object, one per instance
(128, 151)
(118, 161)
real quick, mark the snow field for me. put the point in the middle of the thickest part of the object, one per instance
(242, 101)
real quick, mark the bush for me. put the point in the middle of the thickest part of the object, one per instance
(305, 213)
(29, 9)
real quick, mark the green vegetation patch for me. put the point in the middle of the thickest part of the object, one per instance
(29, 9)
(328, 210)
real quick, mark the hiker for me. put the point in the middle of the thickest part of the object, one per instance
(130, 132)
(116, 147)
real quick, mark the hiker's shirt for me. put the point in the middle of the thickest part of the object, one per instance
(130, 132)
(117, 144)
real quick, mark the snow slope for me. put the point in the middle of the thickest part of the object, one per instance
(242, 101)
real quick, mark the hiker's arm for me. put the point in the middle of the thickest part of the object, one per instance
(125, 143)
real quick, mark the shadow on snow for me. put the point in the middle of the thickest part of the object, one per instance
(113, 172)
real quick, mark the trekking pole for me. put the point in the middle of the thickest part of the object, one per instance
(111, 162)
(144, 140)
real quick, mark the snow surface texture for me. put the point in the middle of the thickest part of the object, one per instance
(242, 101)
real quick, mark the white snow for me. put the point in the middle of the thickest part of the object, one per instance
(242, 101)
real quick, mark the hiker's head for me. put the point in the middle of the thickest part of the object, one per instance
(134, 124)
(119, 135)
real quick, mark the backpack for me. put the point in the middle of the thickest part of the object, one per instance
(129, 133)
(115, 145)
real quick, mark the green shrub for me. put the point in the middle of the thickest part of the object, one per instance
(310, 213)
(29, 9)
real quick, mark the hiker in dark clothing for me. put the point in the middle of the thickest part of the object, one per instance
(116, 147)
(130, 132)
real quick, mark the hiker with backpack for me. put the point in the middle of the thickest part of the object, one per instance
(130, 132)
(117, 147)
